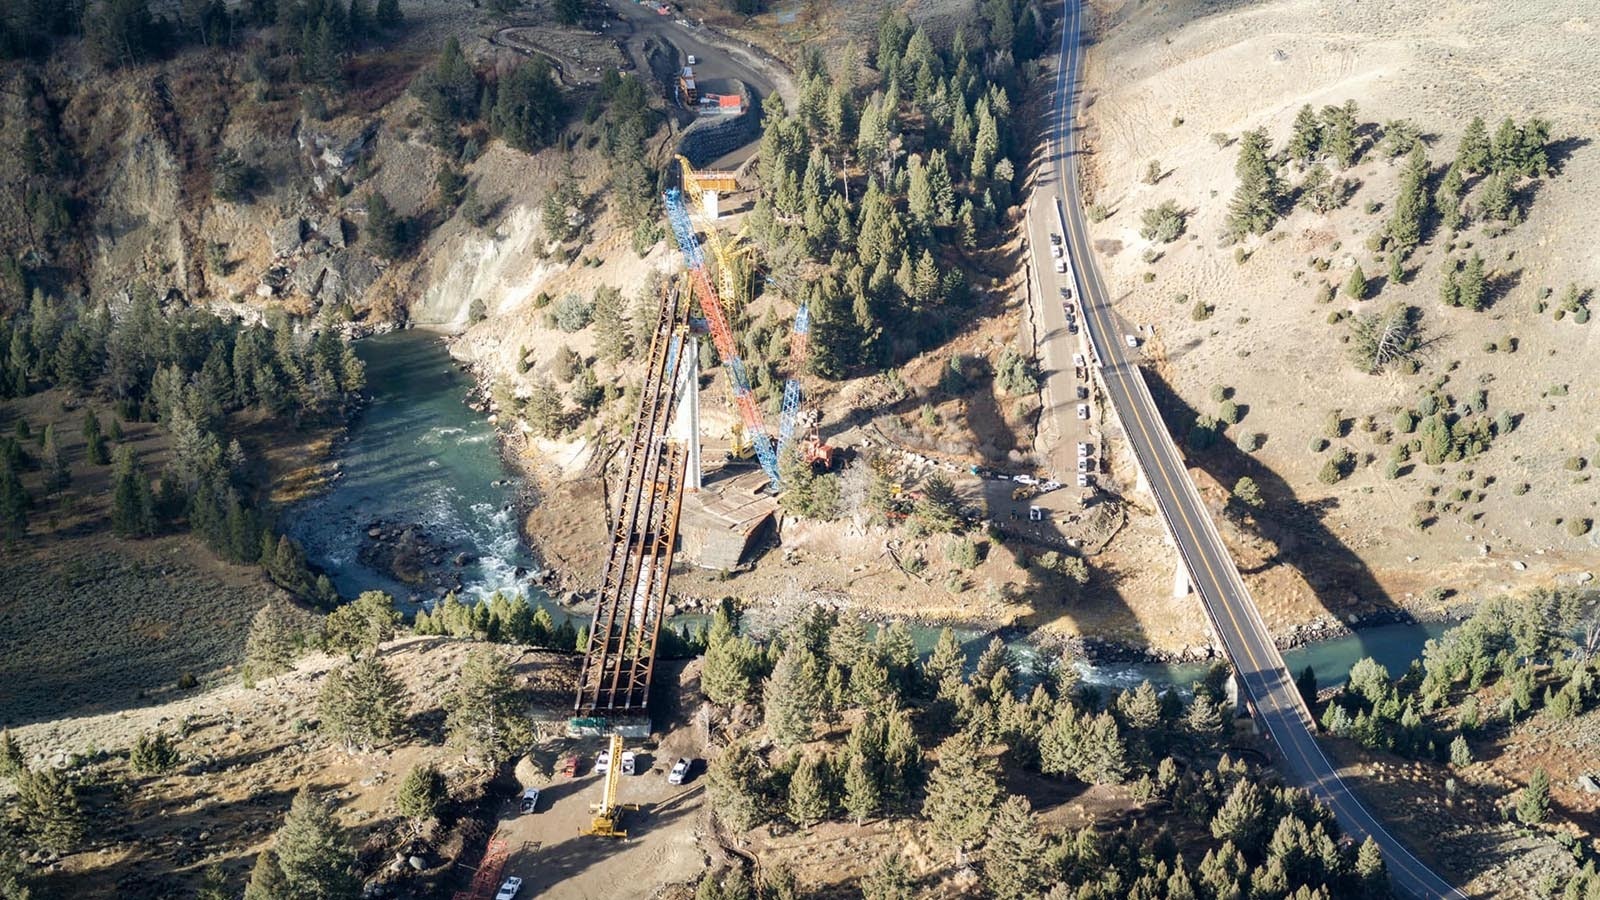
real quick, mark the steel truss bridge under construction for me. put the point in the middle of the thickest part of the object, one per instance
(663, 461)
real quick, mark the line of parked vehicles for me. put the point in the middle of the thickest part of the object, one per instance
(627, 764)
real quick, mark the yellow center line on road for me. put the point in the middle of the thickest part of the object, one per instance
(1333, 789)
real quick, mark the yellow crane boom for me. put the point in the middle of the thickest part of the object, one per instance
(607, 814)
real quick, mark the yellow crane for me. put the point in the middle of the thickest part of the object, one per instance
(607, 813)
(728, 281)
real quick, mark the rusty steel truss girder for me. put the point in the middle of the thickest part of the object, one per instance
(619, 660)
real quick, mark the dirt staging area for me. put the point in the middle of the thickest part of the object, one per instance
(1163, 79)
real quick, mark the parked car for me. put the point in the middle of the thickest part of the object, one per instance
(1083, 392)
(1055, 238)
(509, 888)
(1035, 514)
(1131, 340)
(1077, 360)
(1056, 251)
(1083, 410)
(530, 799)
(1061, 266)
(1083, 479)
(569, 765)
(602, 763)
(679, 772)
(1066, 292)
(1083, 449)
(1083, 464)
(627, 762)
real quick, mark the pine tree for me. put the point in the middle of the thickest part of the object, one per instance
(1254, 206)
(1339, 133)
(612, 339)
(725, 677)
(388, 14)
(1460, 752)
(1103, 756)
(1472, 286)
(1450, 285)
(809, 800)
(1411, 208)
(14, 503)
(942, 669)
(57, 477)
(1015, 847)
(363, 704)
(386, 230)
(94, 440)
(312, 852)
(270, 647)
(1242, 817)
(1496, 200)
(862, 796)
(888, 880)
(962, 793)
(1306, 140)
(153, 754)
(46, 808)
(1204, 721)
(1533, 804)
(420, 794)
(213, 885)
(734, 785)
(484, 711)
(1356, 286)
(12, 762)
(266, 879)
(793, 696)
(1371, 871)
(363, 624)
(1472, 154)
(1448, 199)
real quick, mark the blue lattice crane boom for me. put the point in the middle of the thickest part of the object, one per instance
(722, 334)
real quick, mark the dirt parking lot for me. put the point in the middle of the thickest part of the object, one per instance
(554, 859)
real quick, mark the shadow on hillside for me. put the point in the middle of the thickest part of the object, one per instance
(1341, 581)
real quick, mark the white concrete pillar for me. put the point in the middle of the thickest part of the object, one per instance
(710, 200)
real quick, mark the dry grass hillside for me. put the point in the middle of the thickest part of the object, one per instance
(243, 753)
(1163, 79)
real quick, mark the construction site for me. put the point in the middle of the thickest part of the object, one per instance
(664, 473)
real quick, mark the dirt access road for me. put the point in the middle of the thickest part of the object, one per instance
(716, 56)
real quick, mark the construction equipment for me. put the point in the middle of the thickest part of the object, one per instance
(711, 186)
(619, 660)
(607, 821)
(741, 449)
(688, 94)
(722, 334)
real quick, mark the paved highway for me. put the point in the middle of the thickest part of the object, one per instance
(1212, 572)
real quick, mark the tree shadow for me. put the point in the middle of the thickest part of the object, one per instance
(1337, 576)
(1558, 152)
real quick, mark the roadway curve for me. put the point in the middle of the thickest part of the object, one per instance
(1249, 645)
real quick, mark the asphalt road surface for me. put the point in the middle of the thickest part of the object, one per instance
(1267, 684)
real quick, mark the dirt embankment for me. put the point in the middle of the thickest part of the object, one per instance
(1166, 84)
